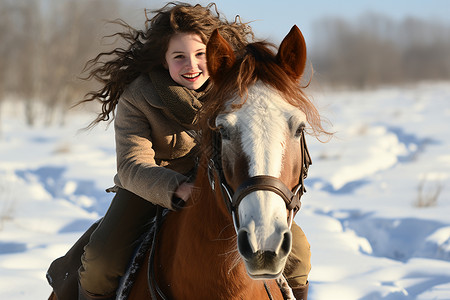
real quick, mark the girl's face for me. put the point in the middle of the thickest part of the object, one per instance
(186, 60)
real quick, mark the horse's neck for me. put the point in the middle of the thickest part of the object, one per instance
(198, 248)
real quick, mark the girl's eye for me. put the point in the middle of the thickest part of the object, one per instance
(201, 53)
(179, 57)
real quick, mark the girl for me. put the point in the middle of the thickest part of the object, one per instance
(157, 86)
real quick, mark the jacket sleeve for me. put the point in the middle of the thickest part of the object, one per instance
(137, 170)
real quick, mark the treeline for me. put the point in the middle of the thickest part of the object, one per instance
(376, 50)
(44, 45)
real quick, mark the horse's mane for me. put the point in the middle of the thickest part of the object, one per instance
(256, 62)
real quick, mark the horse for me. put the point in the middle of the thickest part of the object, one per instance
(232, 239)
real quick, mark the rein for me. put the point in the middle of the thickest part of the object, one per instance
(151, 279)
(292, 198)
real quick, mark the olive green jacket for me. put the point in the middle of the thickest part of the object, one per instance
(154, 149)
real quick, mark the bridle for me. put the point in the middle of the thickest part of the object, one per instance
(257, 183)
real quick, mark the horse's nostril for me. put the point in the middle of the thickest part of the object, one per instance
(244, 247)
(287, 244)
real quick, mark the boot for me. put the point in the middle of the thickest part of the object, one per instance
(301, 292)
(85, 295)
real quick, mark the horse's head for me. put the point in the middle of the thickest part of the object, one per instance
(260, 112)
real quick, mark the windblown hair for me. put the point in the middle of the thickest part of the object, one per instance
(257, 61)
(146, 48)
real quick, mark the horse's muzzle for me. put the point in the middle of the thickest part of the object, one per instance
(264, 263)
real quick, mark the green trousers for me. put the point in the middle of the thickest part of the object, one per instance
(111, 245)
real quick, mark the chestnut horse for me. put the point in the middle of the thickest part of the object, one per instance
(250, 174)
(232, 239)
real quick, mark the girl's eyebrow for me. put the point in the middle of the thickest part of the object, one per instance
(182, 52)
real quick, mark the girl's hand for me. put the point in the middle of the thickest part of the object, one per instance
(184, 191)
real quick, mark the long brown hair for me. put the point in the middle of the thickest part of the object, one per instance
(146, 48)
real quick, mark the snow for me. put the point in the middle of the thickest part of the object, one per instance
(377, 211)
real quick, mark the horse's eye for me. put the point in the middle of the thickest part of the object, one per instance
(299, 131)
(224, 133)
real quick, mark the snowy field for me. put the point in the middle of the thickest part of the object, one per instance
(377, 211)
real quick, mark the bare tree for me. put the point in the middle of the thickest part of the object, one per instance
(5, 58)
(44, 46)
(26, 22)
(74, 39)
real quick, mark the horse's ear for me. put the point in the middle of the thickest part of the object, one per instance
(220, 56)
(292, 53)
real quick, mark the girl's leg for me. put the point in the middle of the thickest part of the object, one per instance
(299, 263)
(112, 244)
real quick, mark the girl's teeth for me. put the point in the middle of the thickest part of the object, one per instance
(191, 75)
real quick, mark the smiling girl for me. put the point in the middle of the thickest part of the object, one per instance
(153, 91)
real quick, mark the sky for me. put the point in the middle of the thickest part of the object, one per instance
(274, 21)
